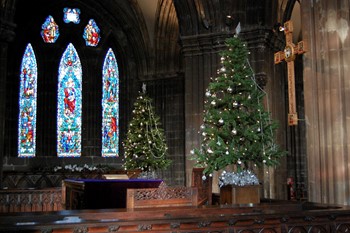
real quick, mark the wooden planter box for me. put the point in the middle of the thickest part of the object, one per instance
(231, 194)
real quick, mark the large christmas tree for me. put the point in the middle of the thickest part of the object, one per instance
(237, 130)
(145, 145)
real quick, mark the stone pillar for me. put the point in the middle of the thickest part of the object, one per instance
(327, 99)
(201, 60)
(7, 34)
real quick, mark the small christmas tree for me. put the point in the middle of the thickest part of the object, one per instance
(145, 146)
(236, 129)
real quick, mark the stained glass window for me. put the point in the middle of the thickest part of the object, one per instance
(69, 94)
(71, 15)
(110, 106)
(49, 31)
(27, 104)
(69, 102)
(91, 33)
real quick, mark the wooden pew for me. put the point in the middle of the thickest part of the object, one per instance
(272, 217)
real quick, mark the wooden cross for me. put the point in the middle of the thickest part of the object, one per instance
(289, 53)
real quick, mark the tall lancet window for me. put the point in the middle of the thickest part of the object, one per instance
(110, 106)
(69, 101)
(27, 104)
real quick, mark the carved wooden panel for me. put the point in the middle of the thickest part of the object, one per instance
(163, 196)
(30, 200)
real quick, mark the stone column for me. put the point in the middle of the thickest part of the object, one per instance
(201, 59)
(7, 34)
(327, 99)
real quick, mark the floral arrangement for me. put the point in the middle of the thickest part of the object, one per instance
(148, 175)
(81, 168)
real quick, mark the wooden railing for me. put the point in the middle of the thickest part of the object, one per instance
(28, 200)
(283, 217)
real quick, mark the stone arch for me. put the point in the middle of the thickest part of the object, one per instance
(167, 49)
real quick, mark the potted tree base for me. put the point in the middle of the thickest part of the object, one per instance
(233, 194)
(239, 188)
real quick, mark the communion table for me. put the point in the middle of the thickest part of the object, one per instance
(100, 194)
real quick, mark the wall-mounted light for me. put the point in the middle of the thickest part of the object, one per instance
(228, 20)
(286, 28)
(277, 27)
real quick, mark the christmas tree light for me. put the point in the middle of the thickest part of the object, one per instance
(145, 145)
